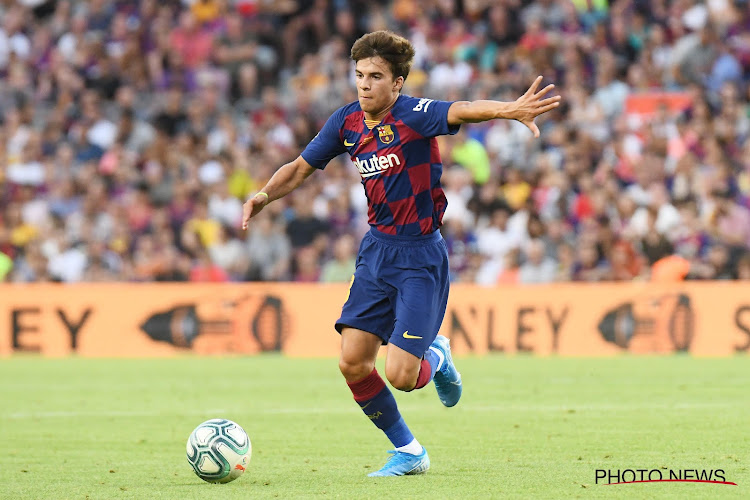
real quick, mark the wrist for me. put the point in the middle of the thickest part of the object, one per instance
(506, 110)
(263, 194)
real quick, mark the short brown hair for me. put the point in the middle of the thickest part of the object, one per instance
(396, 50)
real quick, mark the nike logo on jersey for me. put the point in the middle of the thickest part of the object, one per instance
(407, 336)
(348, 144)
(376, 164)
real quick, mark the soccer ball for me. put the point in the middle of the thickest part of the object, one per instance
(219, 450)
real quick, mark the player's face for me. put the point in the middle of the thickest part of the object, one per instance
(376, 87)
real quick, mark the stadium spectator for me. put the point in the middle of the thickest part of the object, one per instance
(341, 267)
(204, 270)
(269, 251)
(510, 275)
(118, 115)
(537, 267)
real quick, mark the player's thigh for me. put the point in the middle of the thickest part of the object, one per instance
(421, 302)
(359, 351)
(368, 307)
(365, 324)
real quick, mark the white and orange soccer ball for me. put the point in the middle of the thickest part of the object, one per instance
(219, 450)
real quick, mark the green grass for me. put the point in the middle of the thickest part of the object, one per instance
(526, 428)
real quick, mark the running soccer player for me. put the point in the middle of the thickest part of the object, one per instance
(399, 290)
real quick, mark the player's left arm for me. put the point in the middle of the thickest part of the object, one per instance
(524, 109)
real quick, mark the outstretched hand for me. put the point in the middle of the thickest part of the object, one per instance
(252, 207)
(530, 105)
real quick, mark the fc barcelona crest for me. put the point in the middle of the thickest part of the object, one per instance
(386, 134)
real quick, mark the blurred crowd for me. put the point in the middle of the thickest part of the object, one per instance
(131, 132)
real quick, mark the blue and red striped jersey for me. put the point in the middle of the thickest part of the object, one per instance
(398, 160)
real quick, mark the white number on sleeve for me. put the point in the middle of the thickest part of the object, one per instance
(422, 103)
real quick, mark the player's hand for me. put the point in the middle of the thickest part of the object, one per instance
(252, 207)
(530, 105)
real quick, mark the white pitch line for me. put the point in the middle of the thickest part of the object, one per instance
(342, 411)
(76, 414)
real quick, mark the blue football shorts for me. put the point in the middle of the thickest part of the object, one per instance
(399, 290)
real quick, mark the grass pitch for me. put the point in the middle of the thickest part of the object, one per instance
(526, 428)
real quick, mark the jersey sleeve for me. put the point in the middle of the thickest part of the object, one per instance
(428, 117)
(328, 144)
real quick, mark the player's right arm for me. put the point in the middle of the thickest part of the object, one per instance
(323, 148)
(286, 179)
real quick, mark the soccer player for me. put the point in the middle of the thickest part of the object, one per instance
(399, 290)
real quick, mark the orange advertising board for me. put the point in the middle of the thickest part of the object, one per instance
(648, 103)
(137, 320)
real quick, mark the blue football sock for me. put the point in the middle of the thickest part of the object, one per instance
(378, 403)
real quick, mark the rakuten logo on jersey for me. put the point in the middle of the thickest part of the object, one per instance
(376, 164)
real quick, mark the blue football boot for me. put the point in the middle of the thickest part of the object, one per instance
(447, 379)
(402, 464)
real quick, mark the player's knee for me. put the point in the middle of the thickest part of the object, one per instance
(400, 378)
(355, 370)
